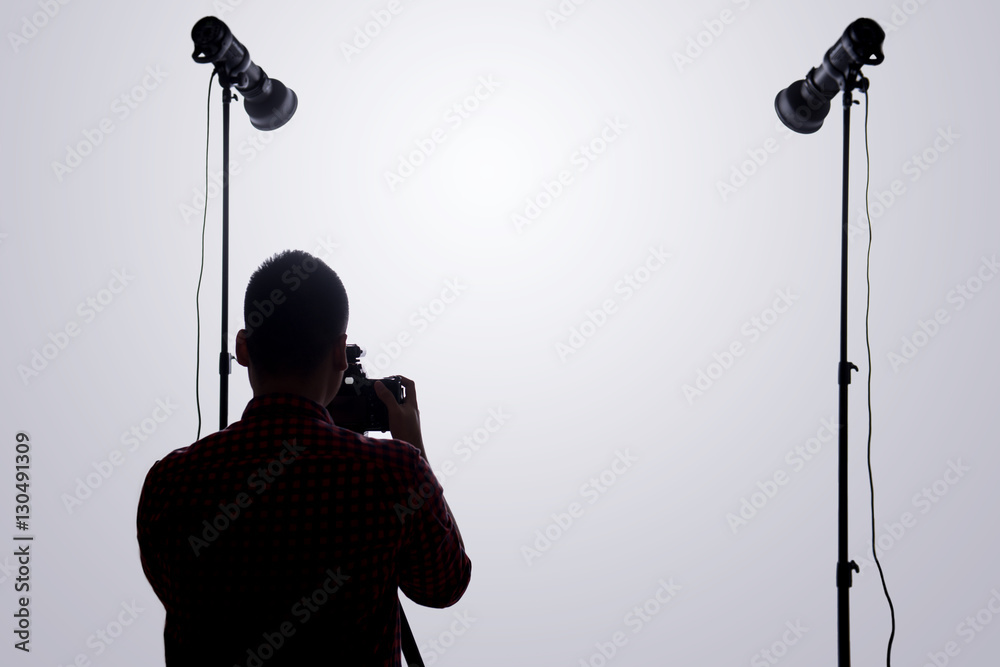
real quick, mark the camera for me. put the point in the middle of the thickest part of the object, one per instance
(356, 406)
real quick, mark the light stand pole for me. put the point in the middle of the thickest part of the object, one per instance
(845, 567)
(225, 358)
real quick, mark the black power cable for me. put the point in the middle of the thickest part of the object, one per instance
(201, 271)
(871, 482)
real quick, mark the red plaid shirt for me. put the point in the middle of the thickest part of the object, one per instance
(282, 540)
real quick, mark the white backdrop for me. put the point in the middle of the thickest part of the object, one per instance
(612, 516)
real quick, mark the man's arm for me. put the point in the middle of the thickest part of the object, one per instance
(146, 515)
(436, 570)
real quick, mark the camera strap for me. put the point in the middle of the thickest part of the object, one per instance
(410, 651)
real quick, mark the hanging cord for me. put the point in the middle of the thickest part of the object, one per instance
(201, 271)
(871, 482)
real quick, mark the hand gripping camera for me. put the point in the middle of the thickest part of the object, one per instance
(356, 406)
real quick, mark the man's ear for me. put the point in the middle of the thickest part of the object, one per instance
(242, 354)
(340, 352)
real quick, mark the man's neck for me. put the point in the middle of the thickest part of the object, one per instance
(315, 390)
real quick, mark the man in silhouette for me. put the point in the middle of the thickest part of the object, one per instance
(281, 540)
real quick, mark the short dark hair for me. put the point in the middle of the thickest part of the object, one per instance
(294, 309)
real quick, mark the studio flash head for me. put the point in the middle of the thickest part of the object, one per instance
(803, 106)
(268, 102)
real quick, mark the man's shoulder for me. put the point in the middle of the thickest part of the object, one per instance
(315, 442)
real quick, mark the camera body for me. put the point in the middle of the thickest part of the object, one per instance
(356, 406)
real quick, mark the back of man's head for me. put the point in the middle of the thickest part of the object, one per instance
(295, 309)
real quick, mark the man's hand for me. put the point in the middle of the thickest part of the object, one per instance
(404, 418)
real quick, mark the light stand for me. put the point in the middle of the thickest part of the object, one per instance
(270, 105)
(802, 107)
